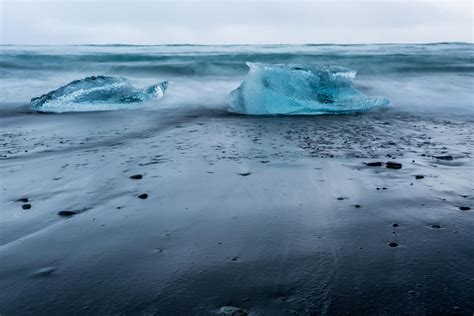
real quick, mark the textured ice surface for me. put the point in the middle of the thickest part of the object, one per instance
(299, 89)
(97, 93)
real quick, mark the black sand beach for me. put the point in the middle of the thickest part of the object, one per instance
(271, 215)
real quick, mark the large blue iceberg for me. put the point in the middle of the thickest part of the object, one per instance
(97, 93)
(300, 89)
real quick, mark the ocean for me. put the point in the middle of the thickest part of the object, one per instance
(425, 78)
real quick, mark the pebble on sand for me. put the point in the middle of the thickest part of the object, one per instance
(464, 208)
(233, 311)
(393, 244)
(419, 176)
(244, 174)
(67, 213)
(143, 196)
(393, 165)
(448, 157)
(136, 177)
(435, 226)
(26, 206)
(374, 164)
(46, 271)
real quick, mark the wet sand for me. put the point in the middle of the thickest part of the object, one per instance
(272, 215)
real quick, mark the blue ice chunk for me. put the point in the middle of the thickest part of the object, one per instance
(300, 89)
(97, 93)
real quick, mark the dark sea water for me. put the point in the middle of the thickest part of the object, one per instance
(428, 78)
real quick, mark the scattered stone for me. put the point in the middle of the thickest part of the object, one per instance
(23, 200)
(143, 196)
(234, 258)
(419, 176)
(43, 272)
(264, 161)
(26, 206)
(374, 164)
(393, 165)
(448, 157)
(395, 225)
(357, 206)
(136, 177)
(233, 311)
(435, 226)
(244, 174)
(393, 244)
(340, 198)
(464, 208)
(67, 213)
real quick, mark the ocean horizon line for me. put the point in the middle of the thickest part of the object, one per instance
(233, 45)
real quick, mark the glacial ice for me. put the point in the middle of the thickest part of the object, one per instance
(97, 93)
(299, 89)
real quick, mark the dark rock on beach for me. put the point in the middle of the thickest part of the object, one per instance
(393, 165)
(26, 206)
(374, 164)
(143, 196)
(136, 177)
(67, 213)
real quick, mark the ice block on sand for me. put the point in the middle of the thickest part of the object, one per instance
(97, 93)
(300, 89)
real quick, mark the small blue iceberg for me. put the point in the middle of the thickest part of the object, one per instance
(300, 90)
(97, 93)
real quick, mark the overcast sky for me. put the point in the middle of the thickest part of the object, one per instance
(234, 22)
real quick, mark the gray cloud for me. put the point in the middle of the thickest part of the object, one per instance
(228, 22)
